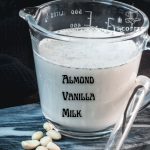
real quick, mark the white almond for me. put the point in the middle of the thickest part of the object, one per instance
(41, 148)
(45, 140)
(53, 146)
(55, 135)
(37, 135)
(30, 144)
(48, 126)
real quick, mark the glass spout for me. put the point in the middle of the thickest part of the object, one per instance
(29, 11)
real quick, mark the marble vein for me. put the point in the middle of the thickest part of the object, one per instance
(18, 123)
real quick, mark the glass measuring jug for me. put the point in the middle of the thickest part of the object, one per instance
(87, 55)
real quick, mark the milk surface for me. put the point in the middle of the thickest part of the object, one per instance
(87, 54)
(112, 67)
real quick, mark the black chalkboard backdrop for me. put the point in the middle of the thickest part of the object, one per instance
(17, 76)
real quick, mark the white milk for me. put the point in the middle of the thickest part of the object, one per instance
(95, 97)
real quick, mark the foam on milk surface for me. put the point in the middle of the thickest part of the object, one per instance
(87, 54)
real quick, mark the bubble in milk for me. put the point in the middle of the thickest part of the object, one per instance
(88, 53)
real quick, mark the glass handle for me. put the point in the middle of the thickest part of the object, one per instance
(124, 124)
(147, 98)
(147, 46)
(143, 80)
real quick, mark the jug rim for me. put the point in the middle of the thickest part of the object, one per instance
(51, 34)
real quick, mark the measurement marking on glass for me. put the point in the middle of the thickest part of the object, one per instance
(76, 12)
(75, 25)
(109, 23)
(89, 18)
(132, 17)
(46, 18)
(57, 14)
(119, 20)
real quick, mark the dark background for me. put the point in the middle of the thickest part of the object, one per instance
(17, 75)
